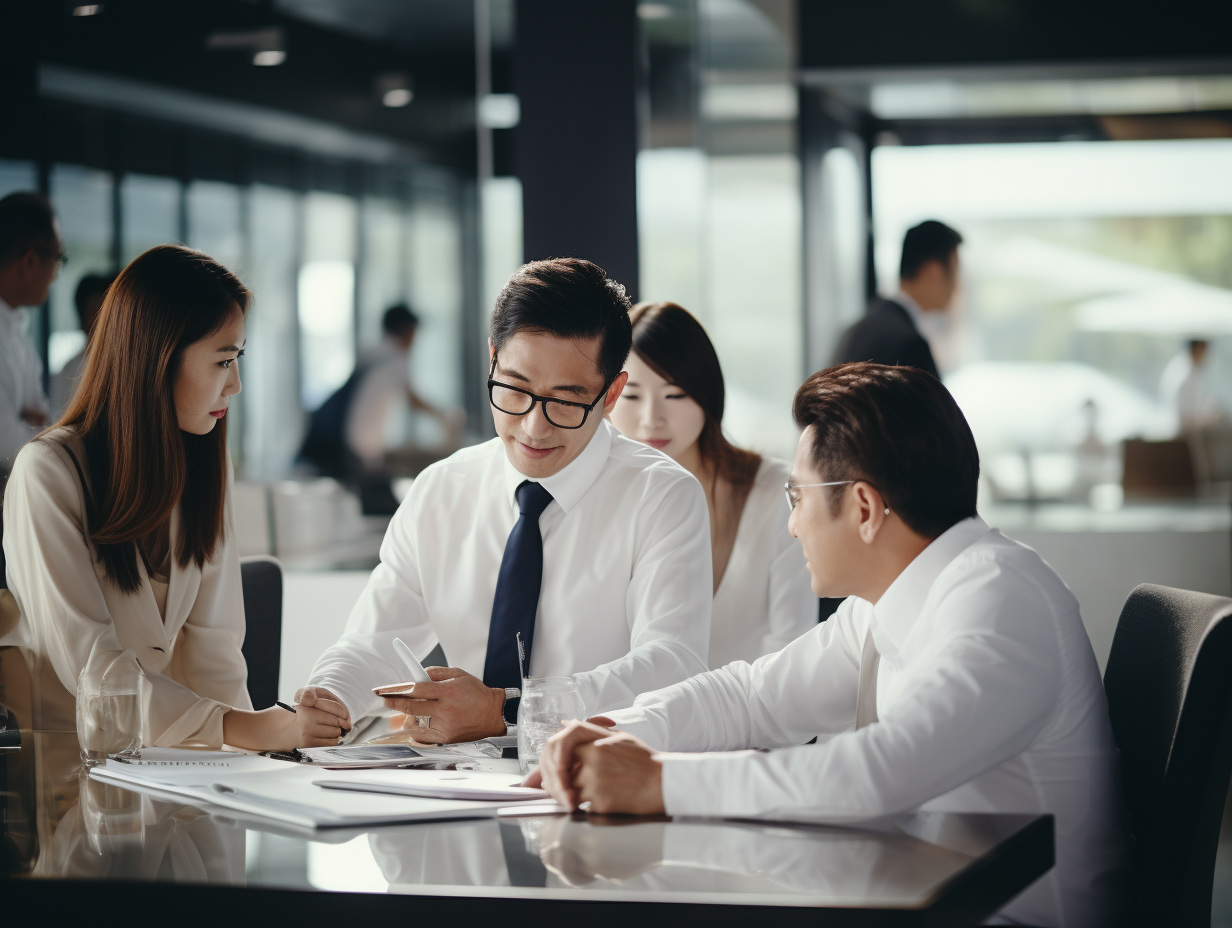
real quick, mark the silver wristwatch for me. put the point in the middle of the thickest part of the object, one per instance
(512, 692)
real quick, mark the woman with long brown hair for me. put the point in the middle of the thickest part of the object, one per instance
(674, 402)
(119, 529)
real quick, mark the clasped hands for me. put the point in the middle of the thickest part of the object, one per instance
(590, 762)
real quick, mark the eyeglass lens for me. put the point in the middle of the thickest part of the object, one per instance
(517, 403)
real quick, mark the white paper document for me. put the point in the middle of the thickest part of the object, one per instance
(472, 785)
(283, 792)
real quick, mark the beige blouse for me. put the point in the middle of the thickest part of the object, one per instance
(73, 615)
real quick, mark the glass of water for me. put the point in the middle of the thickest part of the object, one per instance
(108, 713)
(547, 703)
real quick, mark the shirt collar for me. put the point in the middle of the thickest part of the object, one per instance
(571, 482)
(899, 607)
(914, 310)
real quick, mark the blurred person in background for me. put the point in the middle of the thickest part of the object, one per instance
(30, 257)
(1187, 387)
(674, 402)
(88, 299)
(891, 331)
(120, 527)
(347, 435)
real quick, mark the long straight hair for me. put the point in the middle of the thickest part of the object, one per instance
(140, 464)
(673, 343)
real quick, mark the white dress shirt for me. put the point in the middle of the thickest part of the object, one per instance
(989, 700)
(74, 615)
(21, 385)
(379, 394)
(625, 602)
(765, 599)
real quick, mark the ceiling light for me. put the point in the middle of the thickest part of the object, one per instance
(654, 11)
(268, 46)
(88, 9)
(394, 89)
(269, 58)
(499, 111)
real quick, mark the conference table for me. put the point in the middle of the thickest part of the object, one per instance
(72, 844)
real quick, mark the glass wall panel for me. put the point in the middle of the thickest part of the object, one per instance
(82, 198)
(1087, 268)
(270, 400)
(383, 274)
(215, 223)
(326, 295)
(149, 213)
(17, 175)
(435, 259)
(754, 282)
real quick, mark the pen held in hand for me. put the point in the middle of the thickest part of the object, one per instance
(284, 705)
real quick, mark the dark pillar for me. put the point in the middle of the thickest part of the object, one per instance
(575, 149)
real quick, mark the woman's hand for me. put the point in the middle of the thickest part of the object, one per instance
(276, 729)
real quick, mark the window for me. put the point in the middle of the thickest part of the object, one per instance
(82, 200)
(326, 296)
(1086, 268)
(149, 213)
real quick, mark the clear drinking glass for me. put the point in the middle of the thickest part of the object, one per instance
(108, 713)
(547, 703)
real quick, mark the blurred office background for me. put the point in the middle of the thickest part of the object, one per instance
(754, 160)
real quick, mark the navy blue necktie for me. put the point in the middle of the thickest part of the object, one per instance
(517, 594)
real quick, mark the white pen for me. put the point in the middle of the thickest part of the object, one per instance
(418, 674)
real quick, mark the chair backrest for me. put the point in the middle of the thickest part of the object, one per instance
(1169, 690)
(261, 578)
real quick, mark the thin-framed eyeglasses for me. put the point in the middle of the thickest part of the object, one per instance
(793, 490)
(564, 414)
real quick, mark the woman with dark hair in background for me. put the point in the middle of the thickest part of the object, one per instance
(119, 528)
(674, 402)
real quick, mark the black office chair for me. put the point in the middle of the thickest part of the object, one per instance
(1169, 689)
(261, 578)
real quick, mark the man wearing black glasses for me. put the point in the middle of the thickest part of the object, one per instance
(590, 550)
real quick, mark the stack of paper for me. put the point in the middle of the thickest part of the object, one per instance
(291, 793)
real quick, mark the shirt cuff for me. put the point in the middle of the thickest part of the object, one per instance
(636, 722)
(358, 702)
(696, 784)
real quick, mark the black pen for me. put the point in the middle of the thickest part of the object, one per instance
(285, 706)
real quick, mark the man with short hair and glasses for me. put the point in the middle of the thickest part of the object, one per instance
(30, 257)
(957, 676)
(588, 551)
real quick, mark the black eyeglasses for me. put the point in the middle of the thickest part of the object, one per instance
(564, 414)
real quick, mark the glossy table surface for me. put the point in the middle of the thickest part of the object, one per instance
(927, 868)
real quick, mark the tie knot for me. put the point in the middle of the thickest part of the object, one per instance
(532, 498)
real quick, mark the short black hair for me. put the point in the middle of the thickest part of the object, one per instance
(898, 429)
(399, 319)
(929, 241)
(26, 221)
(568, 298)
(90, 285)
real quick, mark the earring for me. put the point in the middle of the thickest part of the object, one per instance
(887, 510)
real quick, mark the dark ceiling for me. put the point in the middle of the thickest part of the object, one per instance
(335, 53)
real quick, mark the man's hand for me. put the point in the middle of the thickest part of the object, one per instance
(32, 415)
(459, 706)
(534, 779)
(611, 770)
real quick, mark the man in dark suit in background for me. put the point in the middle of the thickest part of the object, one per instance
(890, 333)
